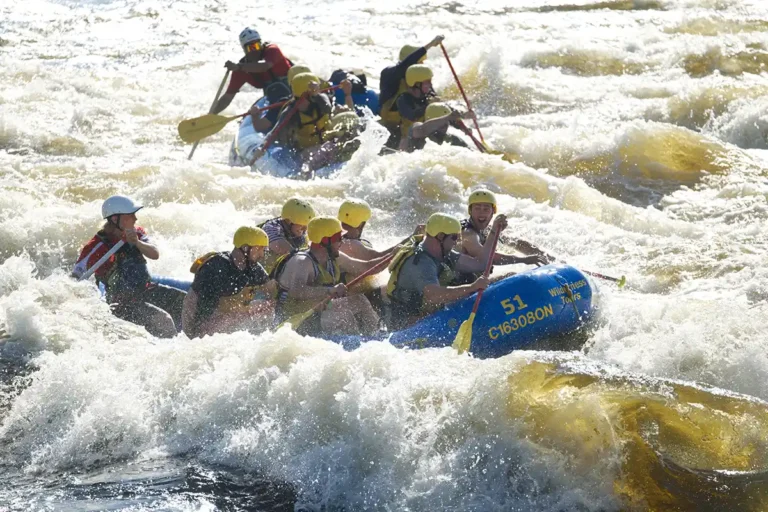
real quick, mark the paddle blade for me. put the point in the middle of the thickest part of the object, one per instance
(463, 340)
(297, 319)
(622, 281)
(193, 130)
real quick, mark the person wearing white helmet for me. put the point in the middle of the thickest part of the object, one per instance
(262, 65)
(125, 275)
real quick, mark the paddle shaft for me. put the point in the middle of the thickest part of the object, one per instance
(601, 276)
(480, 146)
(210, 110)
(458, 83)
(88, 273)
(487, 271)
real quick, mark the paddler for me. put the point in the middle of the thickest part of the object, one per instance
(231, 291)
(288, 232)
(392, 84)
(125, 276)
(307, 277)
(437, 118)
(262, 65)
(305, 133)
(421, 273)
(475, 235)
(276, 93)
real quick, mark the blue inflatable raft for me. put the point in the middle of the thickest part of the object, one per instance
(515, 313)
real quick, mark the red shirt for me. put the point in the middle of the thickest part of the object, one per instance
(97, 247)
(280, 67)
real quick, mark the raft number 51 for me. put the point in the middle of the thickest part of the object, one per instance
(509, 308)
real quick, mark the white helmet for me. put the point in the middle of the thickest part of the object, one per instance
(248, 35)
(119, 205)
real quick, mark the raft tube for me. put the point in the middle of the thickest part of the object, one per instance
(516, 312)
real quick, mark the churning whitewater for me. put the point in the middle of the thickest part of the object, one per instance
(634, 136)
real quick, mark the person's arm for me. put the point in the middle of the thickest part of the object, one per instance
(427, 128)
(470, 243)
(296, 277)
(145, 248)
(223, 102)
(467, 263)
(356, 267)
(346, 86)
(436, 295)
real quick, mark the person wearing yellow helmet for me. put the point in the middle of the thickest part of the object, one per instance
(392, 84)
(231, 291)
(412, 103)
(288, 232)
(420, 274)
(307, 277)
(263, 65)
(437, 118)
(354, 215)
(306, 134)
(482, 206)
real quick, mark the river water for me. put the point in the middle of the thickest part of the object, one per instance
(635, 141)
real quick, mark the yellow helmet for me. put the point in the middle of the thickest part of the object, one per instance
(295, 70)
(298, 211)
(417, 73)
(253, 237)
(481, 196)
(408, 49)
(435, 110)
(443, 223)
(323, 227)
(301, 81)
(353, 212)
(344, 122)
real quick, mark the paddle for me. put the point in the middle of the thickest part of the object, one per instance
(481, 146)
(458, 83)
(210, 110)
(198, 128)
(620, 281)
(88, 273)
(299, 318)
(463, 340)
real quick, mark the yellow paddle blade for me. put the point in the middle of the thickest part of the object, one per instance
(463, 340)
(297, 319)
(193, 130)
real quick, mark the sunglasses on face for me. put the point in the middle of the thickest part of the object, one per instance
(333, 240)
(253, 47)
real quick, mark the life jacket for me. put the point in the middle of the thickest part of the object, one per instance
(127, 275)
(406, 124)
(296, 242)
(328, 276)
(414, 249)
(390, 116)
(311, 129)
(231, 304)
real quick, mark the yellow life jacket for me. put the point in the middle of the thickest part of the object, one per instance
(229, 304)
(311, 129)
(286, 305)
(446, 274)
(389, 114)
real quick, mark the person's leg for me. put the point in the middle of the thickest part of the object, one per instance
(167, 298)
(350, 315)
(156, 321)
